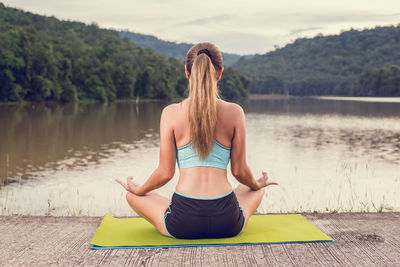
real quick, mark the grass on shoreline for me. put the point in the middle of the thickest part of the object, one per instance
(366, 207)
(346, 199)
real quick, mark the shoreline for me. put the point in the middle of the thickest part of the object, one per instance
(268, 96)
(384, 99)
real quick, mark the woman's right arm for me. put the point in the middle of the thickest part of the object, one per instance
(240, 169)
(166, 167)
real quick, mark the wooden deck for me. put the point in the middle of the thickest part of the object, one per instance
(362, 239)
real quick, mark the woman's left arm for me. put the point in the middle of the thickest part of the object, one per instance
(166, 167)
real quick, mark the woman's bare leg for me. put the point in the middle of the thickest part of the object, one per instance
(248, 199)
(151, 207)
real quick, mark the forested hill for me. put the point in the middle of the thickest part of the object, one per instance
(362, 63)
(46, 59)
(171, 49)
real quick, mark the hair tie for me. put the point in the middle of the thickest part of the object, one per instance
(204, 51)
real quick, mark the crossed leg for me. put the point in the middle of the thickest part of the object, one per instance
(248, 199)
(151, 207)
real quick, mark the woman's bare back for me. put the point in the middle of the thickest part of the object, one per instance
(203, 181)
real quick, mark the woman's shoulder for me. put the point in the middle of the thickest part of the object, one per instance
(171, 112)
(230, 114)
(232, 108)
(171, 108)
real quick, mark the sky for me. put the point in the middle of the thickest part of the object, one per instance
(241, 27)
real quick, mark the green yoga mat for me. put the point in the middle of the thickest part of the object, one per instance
(261, 229)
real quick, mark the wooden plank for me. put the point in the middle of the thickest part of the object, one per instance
(362, 239)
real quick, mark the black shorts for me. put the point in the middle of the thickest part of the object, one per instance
(192, 217)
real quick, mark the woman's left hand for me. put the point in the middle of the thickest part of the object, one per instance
(129, 185)
(263, 180)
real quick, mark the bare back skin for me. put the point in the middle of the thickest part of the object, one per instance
(203, 181)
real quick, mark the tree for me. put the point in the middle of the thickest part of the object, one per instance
(383, 81)
(232, 85)
(9, 91)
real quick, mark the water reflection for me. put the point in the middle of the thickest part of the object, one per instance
(40, 136)
(363, 127)
(303, 106)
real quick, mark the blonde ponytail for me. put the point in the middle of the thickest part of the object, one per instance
(203, 91)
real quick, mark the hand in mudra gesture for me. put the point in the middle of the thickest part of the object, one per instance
(263, 181)
(129, 185)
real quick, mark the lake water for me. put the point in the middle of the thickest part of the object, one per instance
(328, 154)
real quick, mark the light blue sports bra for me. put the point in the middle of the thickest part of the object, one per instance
(218, 157)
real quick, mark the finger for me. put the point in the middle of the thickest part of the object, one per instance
(122, 183)
(118, 181)
(132, 183)
(272, 183)
(124, 186)
(133, 187)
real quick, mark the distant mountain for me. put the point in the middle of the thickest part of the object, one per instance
(46, 59)
(336, 64)
(171, 49)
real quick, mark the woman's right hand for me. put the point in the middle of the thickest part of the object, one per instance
(129, 186)
(263, 181)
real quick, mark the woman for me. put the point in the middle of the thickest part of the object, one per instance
(201, 133)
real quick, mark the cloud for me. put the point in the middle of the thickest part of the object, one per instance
(207, 20)
(296, 31)
(342, 16)
(254, 26)
(238, 42)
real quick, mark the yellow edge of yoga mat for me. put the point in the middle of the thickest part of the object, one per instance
(137, 232)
